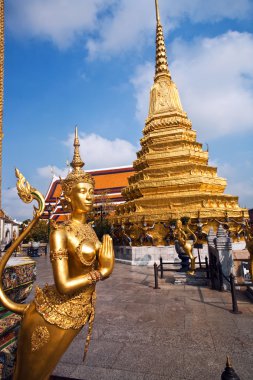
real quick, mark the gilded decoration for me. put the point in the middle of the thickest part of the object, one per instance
(164, 97)
(60, 254)
(40, 337)
(82, 232)
(65, 311)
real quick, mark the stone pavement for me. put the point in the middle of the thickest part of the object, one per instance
(176, 333)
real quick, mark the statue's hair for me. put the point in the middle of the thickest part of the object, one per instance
(73, 179)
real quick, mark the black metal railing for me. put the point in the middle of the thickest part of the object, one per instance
(162, 267)
(231, 280)
(214, 273)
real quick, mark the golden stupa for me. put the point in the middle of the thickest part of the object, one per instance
(173, 178)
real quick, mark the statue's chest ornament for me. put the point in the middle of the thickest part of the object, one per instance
(85, 234)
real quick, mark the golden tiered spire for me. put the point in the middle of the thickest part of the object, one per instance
(173, 178)
(164, 96)
(161, 56)
(77, 162)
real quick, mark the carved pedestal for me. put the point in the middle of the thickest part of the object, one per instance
(18, 279)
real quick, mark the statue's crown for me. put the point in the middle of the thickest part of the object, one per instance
(77, 175)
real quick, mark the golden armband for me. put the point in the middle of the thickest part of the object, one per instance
(60, 254)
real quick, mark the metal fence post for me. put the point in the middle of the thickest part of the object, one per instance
(207, 268)
(156, 276)
(220, 277)
(161, 266)
(200, 264)
(233, 294)
(212, 274)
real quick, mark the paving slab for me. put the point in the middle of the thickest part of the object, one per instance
(179, 332)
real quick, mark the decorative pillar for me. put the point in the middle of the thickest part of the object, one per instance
(1, 89)
(210, 238)
(223, 245)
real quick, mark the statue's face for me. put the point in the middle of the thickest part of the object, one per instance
(82, 197)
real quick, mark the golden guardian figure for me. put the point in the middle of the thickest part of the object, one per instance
(58, 312)
(187, 246)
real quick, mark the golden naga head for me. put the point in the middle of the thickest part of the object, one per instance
(77, 175)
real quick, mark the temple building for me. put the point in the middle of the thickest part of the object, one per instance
(172, 176)
(109, 184)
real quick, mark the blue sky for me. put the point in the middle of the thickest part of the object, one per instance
(91, 63)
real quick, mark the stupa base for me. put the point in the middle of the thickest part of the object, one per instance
(148, 255)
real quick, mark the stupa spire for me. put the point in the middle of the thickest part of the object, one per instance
(161, 55)
(157, 12)
(164, 96)
(77, 162)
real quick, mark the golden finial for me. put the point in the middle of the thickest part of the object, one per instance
(157, 12)
(77, 175)
(77, 162)
(161, 56)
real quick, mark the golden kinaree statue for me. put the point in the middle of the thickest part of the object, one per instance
(58, 312)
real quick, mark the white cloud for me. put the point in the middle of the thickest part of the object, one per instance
(215, 77)
(60, 21)
(119, 24)
(14, 207)
(215, 82)
(209, 10)
(50, 171)
(243, 189)
(132, 23)
(128, 28)
(99, 152)
(142, 82)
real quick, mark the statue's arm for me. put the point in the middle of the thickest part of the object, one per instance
(182, 234)
(59, 258)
